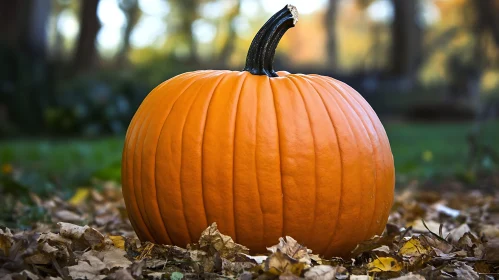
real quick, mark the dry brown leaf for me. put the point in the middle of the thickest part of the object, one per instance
(489, 231)
(361, 277)
(235, 268)
(436, 243)
(472, 245)
(89, 267)
(293, 249)
(121, 274)
(279, 263)
(373, 243)
(71, 231)
(492, 250)
(212, 240)
(410, 276)
(6, 241)
(433, 226)
(322, 272)
(68, 216)
(82, 237)
(257, 259)
(111, 256)
(156, 275)
(383, 250)
(456, 234)
(461, 271)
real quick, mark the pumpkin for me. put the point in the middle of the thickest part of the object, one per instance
(262, 154)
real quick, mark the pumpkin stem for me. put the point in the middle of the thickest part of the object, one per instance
(261, 53)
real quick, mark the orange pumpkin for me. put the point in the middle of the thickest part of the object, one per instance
(263, 155)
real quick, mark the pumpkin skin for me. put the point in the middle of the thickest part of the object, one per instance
(263, 157)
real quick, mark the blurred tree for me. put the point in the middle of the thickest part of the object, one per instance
(12, 14)
(230, 41)
(330, 23)
(488, 19)
(188, 12)
(85, 56)
(466, 74)
(132, 13)
(24, 68)
(406, 38)
(57, 48)
(23, 24)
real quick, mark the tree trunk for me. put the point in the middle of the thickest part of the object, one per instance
(13, 19)
(228, 46)
(406, 38)
(132, 15)
(85, 56)
(57, 49)
(487, 11)
(23, 25)
(330, 23)
(188, 14)
(36, 40)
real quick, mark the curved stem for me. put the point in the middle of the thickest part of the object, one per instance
(262, 49)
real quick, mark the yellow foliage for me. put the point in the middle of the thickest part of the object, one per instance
(118, 241)
(80, 196)
(384, 264)
(7, 168)
(413, 248)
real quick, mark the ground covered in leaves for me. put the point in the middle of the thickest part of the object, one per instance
(430, 235)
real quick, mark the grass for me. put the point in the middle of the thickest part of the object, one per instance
(441, 149)
(420, 150)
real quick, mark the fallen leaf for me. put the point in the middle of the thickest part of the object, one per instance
(490, 231)
(257, 259)
(293, 249)
(492, 250)
(456, 234)
(235, 268)
(6, 241)
(384, 264)
(71, 231)
(413, 248)
(441, 208)
(111, 256)
(436, 243)
(118, 241)
(279, 263)
(472, 245)
(461, 271)
(410, 276)
(361, 277)
(82, 237)
(68, 216)
(89, 267)
(121, 274)
(373, 243)
(419, 226)
(80, 196)
(383, 249)
(212, 240)
(321, 272)
(156, 275)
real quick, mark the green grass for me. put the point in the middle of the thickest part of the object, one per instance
(420, 150)
(441, 149)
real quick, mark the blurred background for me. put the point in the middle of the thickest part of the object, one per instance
(72, 74)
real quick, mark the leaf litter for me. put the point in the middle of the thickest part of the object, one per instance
(429, 235)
